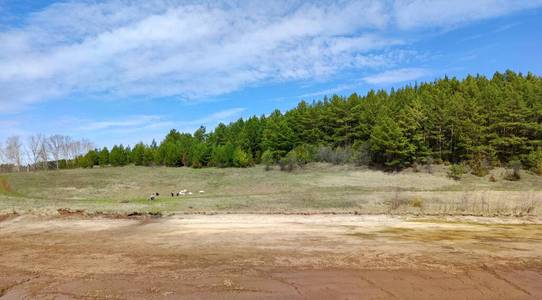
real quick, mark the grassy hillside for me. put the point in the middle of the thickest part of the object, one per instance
(317, 188)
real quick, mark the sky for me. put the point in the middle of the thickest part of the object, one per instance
(128, 71)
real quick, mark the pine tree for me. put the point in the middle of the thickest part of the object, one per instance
(389, 144)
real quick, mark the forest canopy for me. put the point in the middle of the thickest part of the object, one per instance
(480, 121)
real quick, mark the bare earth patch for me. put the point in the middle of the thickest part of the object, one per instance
(270, 257)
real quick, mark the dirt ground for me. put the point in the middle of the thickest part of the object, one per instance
(269, 257)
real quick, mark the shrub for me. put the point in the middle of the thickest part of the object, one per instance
(241, 159)
(268, 159)
(429, 161)
(510, 175)
(456, 171)
(303, 154)
(514, 173)
(289, 162)
(338, 156)
(324, 154)
(492, 178)
(341, 156)
(534, 161)
(538, 168)
(479, 166)
(361, 153)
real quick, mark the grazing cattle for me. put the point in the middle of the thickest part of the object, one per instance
(157, 194)
(201, 192)
(189, 193)
(172, 194)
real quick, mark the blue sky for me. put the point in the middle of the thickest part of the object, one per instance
(125, 71)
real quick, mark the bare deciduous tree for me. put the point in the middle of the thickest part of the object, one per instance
(54, 146)
(43, 155)
(35, 146)
(75, 149)
(3, 159)
(13, 151)
(86, 145)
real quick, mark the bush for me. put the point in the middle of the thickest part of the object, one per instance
(324, 154)
(533, 161)
(303, 154)
(429, 161)
(268, 159)
(241, 159)
(479, 166)
(514, 173)
(361, 153)
(341, 156)
(510, 175)
(415, 167)
(289, 162)
(456, 171)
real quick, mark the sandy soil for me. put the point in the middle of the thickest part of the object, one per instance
(269, 257)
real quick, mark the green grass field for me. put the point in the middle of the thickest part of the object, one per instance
(318, 188)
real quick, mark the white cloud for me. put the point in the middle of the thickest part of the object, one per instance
(124, 49)
(145, 122)
(396, 76)
(195, 49)
(133, 129)
(221, 116)
(130, 122)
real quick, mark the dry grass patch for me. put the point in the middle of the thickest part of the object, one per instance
(316, 188)
(5, 187)
(371, 179)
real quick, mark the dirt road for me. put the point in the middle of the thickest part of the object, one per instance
(268, 257)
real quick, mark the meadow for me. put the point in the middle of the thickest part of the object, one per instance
(317, 188)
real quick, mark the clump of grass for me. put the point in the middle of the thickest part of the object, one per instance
(397, 201)
(5, 187)
(417, 202)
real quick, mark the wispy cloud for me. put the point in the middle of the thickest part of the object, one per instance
(396, 76)
(192, 50)
(160, 48)
(147, 122)
(132, 129)
(331, 91)
(131, 122)
(220, 116)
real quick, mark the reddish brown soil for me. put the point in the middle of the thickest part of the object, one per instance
(267, 257)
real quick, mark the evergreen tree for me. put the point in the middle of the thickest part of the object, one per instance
(389, 144)
(278, 137)
(477, 121)
(103, 157)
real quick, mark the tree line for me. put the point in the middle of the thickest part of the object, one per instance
(43, 152)
(477, 121)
